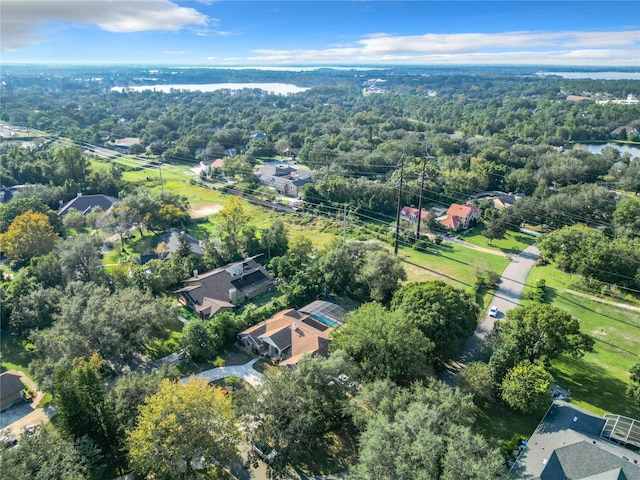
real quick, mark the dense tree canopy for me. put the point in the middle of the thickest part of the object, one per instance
(29, 235)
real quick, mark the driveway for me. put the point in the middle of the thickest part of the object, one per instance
(507, 297)
(245, 372)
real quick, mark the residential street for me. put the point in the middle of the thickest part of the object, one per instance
(507, 296)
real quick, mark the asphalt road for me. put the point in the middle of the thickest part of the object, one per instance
(507, 296)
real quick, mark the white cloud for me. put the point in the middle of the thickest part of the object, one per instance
(20, 19)
(522, 47)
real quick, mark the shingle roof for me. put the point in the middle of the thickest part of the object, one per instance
(171, 242)
(458, 210)
(10, 384)
(451, 222)
(87, 203)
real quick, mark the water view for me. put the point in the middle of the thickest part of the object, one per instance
(598, 147)
(595, 75)
(276, 88)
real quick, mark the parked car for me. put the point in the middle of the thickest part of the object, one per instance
(264, 451)
(493, 311)
(8, 441)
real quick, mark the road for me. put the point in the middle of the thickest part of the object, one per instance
(507, 297)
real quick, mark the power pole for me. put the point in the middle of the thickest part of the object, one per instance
(422, 179)
(344, 226)
(395, 243)
(160, 168)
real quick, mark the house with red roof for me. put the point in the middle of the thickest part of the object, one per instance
(410, 214)
(461, 216)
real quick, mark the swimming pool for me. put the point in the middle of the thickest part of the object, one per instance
(326, 321)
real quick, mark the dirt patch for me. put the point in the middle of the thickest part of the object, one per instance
(205, 210)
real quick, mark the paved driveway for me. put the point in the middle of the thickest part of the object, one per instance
(507, 297)
(245, 372)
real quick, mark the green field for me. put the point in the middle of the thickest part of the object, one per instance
(598, 380)
(512, 243)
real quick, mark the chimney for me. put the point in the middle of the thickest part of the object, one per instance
(294, 326)
(233, 295)
(79, 194)
(195, 273)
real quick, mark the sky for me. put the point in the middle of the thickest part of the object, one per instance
(296, 33)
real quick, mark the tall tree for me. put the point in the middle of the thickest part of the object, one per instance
(29, 235)
(527, 387)
(382, 274)
(444, 314)
(626, 217)
(80, 258)
(232, 219)
(83, 408)
(181, 424)
(634, 387)
(538, 330)
(384, 344)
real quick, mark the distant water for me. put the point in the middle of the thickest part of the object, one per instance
(595, 75)
(598, 147)
(277, 88)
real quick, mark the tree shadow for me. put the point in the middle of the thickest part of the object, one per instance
(593, 385)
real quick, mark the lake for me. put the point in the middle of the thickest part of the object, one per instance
(598, 147)
(277, 88)
(595, 75)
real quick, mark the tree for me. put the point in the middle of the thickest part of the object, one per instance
(420, 434)
(274, 239)
(83, 409)
(626, 217)
(444, 314)
(47, 271)
(384, 345)
(80, 257)
(198, 341)
(382, 274)
(35, 310)
(540, 330)
(319, 389)
(29, 235)
(48, 456)
(18, 206)
(495, 229)
(181, 424)
(634, 387)
(74, 219)
(232, 219)
(527, 387)
(476, 378)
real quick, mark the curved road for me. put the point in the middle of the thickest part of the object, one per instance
(507, 296)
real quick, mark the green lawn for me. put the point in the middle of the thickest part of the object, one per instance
(512, 243)
(598, 380)
(167, 344)
(452, 263)
(14, 353)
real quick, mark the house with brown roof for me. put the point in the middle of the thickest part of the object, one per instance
(11, 388)
(285, 179)
(224, 288)
(460, 216)
(410, 215)
(287, 337)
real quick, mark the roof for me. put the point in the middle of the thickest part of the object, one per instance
(276, 170)
(294, 333)
(409, 211)
(88, 203)
(326, 310)
(567, 445)
(10, 384)
(125, 142)
(462, 211)
(212, 288)
(171, 242)
(451, 222)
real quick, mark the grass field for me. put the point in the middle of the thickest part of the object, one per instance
(14, 354)
(512, 243)
(599, 379)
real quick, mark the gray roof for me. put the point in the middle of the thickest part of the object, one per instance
(567, 445)
(171, 242)
(10, 384)
(87, 203)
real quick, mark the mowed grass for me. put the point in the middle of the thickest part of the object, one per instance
(512, 243)
(451, 263)
(15, 354)
(599, 379)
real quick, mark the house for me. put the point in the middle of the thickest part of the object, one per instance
(460, 216)
(11, 388)
(212, 164)
(287, 337)
(626, 128)
(502, 201)
(88, 203)
(285, 179)
(170, 242)
(571, 443)
(291, 152)
(224, 288)
(124, 144)
(409, 214)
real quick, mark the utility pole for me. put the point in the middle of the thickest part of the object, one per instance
(160, 168)
(344, 226)
(395, 244)
(422, 179)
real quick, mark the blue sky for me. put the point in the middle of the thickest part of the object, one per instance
(263, 33)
